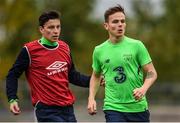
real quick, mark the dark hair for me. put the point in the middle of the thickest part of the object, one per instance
(46, 16)
(113, 10)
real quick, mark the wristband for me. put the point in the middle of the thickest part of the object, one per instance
(13, 100)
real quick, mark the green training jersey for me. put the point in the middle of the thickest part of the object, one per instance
(121, 64)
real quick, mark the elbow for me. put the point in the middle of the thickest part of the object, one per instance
(155, 75)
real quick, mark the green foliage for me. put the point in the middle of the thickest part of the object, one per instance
(18, 20)
(161, 35)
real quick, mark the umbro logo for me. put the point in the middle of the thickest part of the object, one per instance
(56, 65)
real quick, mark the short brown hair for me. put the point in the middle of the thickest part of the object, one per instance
(113, 10)
(47, 15)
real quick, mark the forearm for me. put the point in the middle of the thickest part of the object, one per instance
(11, 87)
(148, 83)
(20, 65)
(150, 78)
(94, 85)
(79, 79)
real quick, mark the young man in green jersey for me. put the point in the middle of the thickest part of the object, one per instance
(122, 61)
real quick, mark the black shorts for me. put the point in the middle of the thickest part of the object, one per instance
(46, 113)
(115, 116)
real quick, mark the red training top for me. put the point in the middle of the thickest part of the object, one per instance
(47, 74)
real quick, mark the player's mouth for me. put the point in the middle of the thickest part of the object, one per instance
(55, 36)
(120, 30)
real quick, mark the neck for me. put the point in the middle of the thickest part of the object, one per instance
(115, 40)
(47, 42)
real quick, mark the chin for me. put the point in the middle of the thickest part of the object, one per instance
(120, 35)
(54, 40)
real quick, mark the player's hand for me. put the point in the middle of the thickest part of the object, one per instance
(92, 107)
(14, 108)
(139, 93)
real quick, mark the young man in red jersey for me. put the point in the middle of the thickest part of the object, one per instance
(48, 68)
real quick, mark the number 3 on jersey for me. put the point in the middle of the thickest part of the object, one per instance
(121, 77)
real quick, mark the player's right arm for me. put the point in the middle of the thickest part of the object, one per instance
(20, 65)
(94, 86)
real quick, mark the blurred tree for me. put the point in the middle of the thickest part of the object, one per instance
(160, 34)
(169, 33)
(18, 18)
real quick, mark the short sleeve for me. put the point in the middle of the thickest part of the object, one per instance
(143, 54)
(96, 63)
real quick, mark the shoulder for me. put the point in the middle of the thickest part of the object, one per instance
(32, 43)
(101, 46)
(137, 45)
(63, 45)
(61, 42)
(132, 41)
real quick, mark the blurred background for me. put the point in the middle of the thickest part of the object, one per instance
(155, 22)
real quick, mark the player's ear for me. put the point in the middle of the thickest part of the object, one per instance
(105, 25)
(41, 29)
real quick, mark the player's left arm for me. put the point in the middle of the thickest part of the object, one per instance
(151, 76)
